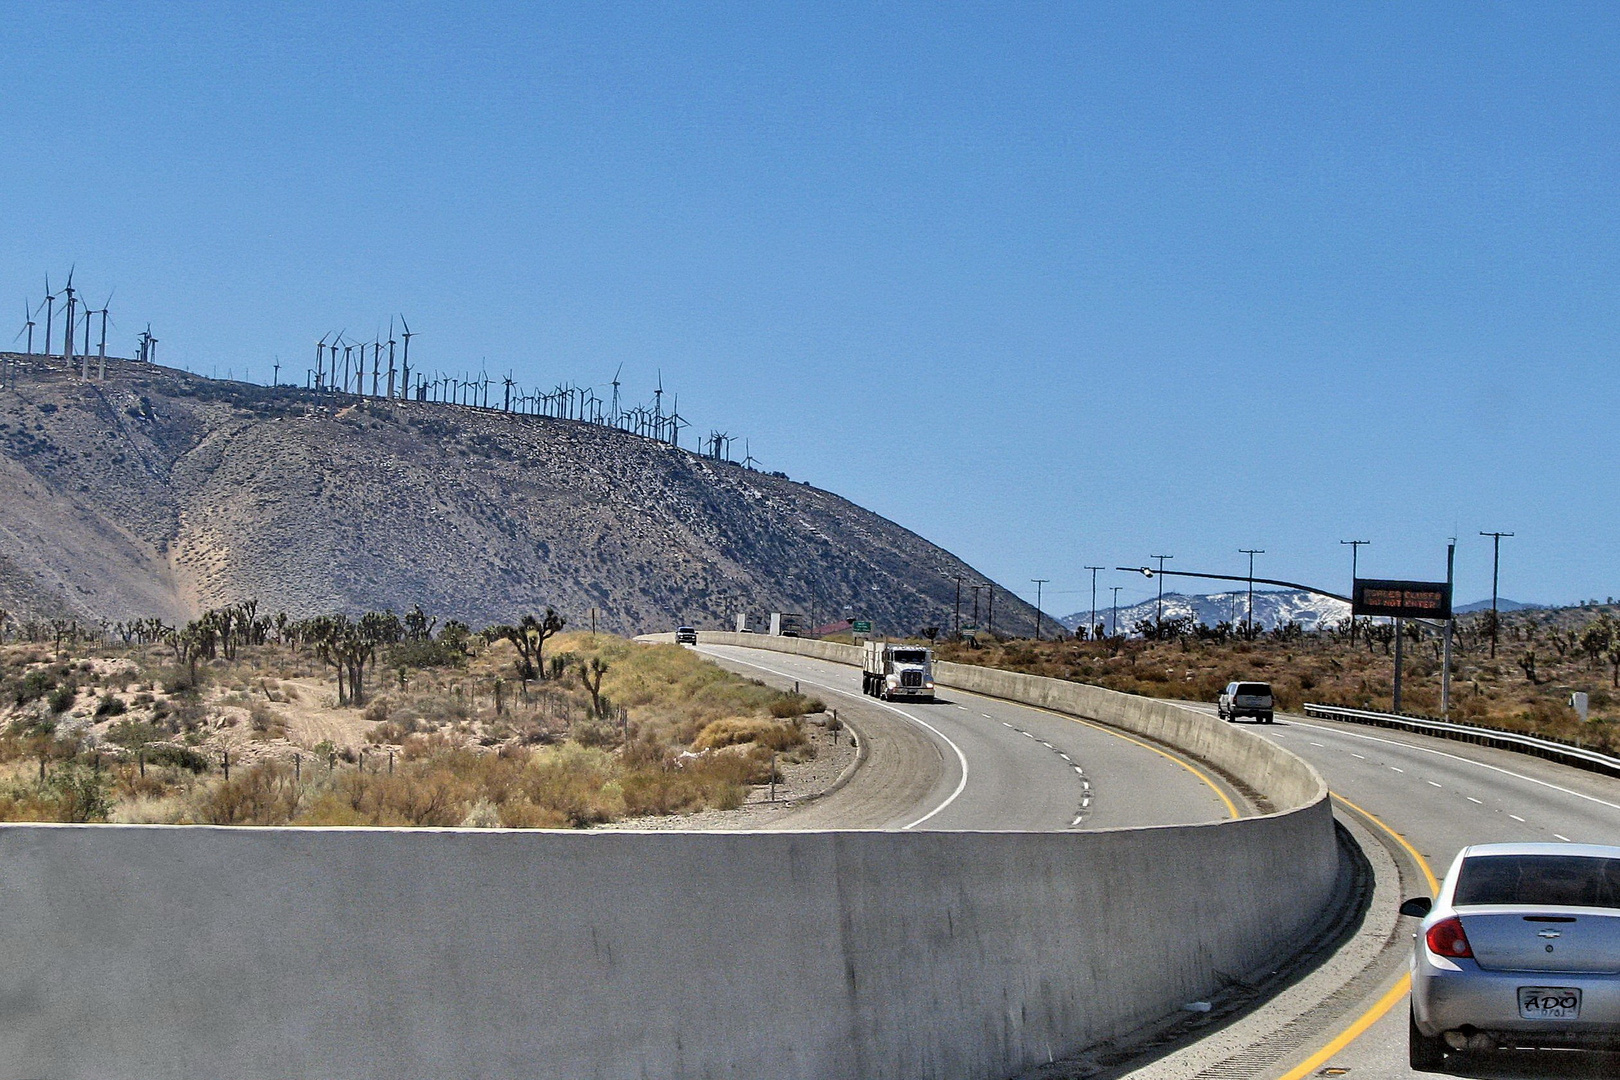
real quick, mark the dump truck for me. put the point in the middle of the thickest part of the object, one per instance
(893, 671)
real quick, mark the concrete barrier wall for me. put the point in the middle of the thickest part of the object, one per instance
(167, 952)
(173, 952)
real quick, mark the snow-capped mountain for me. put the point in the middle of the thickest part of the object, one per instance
(1272, 608)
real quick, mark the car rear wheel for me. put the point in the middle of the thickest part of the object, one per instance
(1424, 1054)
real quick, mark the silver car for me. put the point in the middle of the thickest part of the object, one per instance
(1521, 949)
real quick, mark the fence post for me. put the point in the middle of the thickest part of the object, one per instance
(227, 757)
(298, 768)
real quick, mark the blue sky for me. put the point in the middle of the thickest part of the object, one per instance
(1051, 284)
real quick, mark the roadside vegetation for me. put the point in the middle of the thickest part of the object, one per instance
(238, 719)
(1542, 656)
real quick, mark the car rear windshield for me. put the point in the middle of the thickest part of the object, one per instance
(1254, 689)
(1557, 880)
(910, 656)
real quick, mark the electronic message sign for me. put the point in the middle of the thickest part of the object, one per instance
(1401, 599)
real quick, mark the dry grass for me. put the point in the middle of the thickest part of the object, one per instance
(438, 746)
(1326, 668)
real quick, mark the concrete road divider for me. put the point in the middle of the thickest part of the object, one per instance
(168, 952)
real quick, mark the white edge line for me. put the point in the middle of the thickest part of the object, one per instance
(1465, 761)
(960, 757)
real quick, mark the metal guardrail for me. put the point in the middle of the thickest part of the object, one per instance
(1552, 750)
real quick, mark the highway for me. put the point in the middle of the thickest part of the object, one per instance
(1439, 796)
(975, 763)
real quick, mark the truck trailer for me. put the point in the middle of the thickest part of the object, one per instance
(893, 671)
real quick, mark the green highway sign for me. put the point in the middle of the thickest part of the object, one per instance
(861, 626)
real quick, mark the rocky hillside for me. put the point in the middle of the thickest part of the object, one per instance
(158, 492)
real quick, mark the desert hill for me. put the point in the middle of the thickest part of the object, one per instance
(160, 492)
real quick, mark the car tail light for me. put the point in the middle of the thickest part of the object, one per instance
(1446, 938)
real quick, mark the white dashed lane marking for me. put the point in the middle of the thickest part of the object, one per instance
(1471, 799)
(1080, 774)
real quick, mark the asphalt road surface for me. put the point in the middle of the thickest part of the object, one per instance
(1441, 796)
(975, 763)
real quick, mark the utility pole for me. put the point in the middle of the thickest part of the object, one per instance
(1039, 581)
(1114, 618)
(1091, 631)
(1451, 620)
(975, 589)
(1248, 630)
(1496, 563)
(1355, 549)
(990, 614)
(1158, 614)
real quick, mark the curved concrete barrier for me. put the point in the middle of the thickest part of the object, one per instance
(1286, 780)
(165, 952)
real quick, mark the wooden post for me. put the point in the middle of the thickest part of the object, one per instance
(227, 759)
(140, 759)
(773, 776)
(298, 768)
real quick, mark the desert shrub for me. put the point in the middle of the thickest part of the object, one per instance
(180, 757)
(79, 794)
(62, 698)
(133, 733)
(796, 705)
(734, 731)
(425, 654)
(111, 705)
(261, 795)
(35, 685)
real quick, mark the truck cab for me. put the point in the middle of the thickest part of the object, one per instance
(896, 671)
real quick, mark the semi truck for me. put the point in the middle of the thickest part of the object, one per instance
(893, 671)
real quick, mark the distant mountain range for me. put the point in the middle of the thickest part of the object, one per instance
(1272, 608)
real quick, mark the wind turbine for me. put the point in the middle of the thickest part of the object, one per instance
(28, 327)
(616, 396)
(407, 359)
(67, 322)
(103, 350)
(391, 357)
(750, 461)
(50, 310)
(320, 361)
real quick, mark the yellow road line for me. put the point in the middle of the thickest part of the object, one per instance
(1231, 807)
(1349, 1034)
(1394, 994)
(1423, 864)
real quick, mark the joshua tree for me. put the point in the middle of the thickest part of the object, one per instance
(591, 675)
(530, 635)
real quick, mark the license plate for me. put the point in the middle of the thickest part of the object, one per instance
(1549, 1003)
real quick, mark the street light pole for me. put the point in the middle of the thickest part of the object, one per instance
(1451, 620)
(1355, 549)
(1114, 618)
(1248, 630)
(1091, 631)
(1158, 611)
(1496, 563)
(1039, 581)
